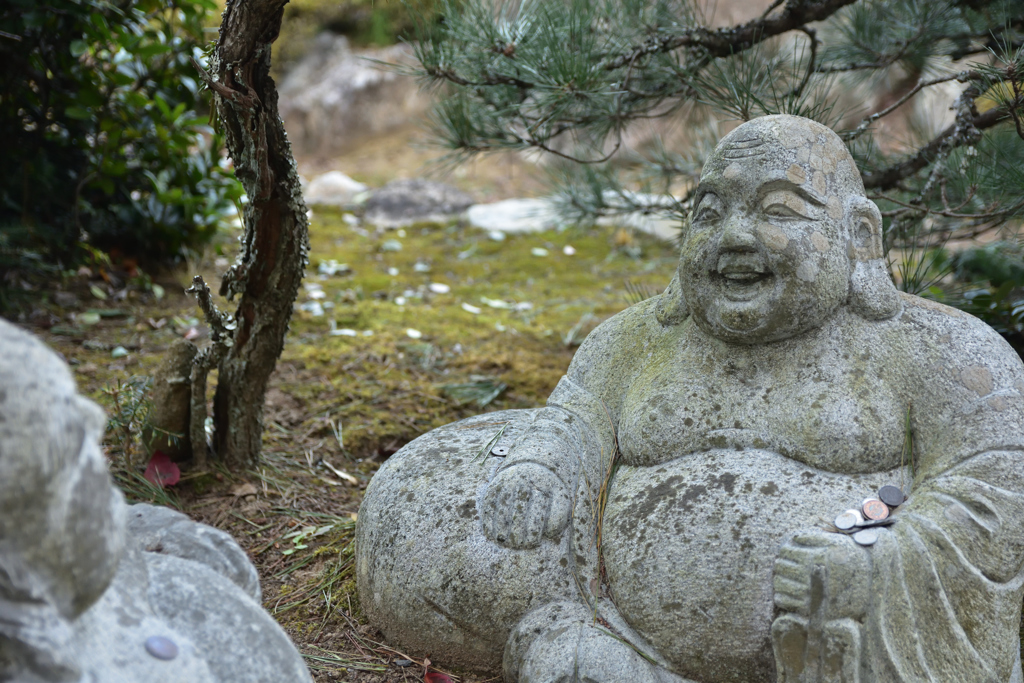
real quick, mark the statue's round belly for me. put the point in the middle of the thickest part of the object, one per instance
(689, 548)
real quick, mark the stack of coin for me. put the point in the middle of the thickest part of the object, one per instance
(873, 512)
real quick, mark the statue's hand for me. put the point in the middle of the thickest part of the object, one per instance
(523, 504)
(847, 572)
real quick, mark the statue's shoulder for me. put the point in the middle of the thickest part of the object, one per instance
(952, 335)
(927, 316)
(627, 330)
(614, 347)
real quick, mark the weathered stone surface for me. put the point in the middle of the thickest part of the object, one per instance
(403, 202)
(167, 427)
(160, 530)
(779, 380)
(93, 590)
(333, 188)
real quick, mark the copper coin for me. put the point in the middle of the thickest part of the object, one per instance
(848, 520)
(875, 509)
(866, 537)
(891, 496)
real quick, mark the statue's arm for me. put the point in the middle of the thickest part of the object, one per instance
(950, 569)
(938, 597)
(561, 459)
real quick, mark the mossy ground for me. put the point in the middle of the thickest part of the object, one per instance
(345, 403)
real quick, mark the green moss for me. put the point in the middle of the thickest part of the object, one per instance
(386, 388)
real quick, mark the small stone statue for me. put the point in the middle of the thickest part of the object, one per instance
(668, 515)
(92, 590)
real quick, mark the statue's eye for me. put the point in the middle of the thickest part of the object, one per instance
(709, 209)
(779, 210)
(707, 213)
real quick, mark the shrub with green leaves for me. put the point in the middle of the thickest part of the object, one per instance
(103, 139)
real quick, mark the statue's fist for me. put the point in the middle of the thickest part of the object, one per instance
(844, 566)
(523, 504)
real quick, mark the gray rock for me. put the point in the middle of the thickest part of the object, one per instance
(91, 590)
(333, 188)
(404, 202)
(774, 384)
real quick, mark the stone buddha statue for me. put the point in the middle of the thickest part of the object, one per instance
(668, 515)
(92, 590)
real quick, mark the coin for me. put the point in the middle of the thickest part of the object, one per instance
(500, 451)
(875, 509)
(848, 520)
(891, 496)
(866, 537)
(161, 648)
(888, 521)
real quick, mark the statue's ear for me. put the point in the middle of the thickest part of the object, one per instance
(671, 308)
(872, 292)
(865, 230)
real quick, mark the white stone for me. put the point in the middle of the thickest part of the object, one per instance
(514, 216)
(333, 188)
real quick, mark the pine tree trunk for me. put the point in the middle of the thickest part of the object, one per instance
(268, 271)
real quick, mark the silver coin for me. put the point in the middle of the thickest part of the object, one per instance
(888, 521)
(847, 520)
(161, 648)
(500, 451)
(866, 537)
(891, 496)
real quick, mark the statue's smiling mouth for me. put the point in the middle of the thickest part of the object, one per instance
(742, 275)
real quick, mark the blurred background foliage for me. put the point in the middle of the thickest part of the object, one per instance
(107, 136)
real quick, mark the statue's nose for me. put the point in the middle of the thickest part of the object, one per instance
(737, 235)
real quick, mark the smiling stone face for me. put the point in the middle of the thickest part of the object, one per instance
(768, 252)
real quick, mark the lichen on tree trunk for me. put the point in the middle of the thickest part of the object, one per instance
(269, 269)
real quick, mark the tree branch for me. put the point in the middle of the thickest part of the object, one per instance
(856, 132)
(724, 42)
(953, 136)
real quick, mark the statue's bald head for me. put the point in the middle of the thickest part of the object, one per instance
(800, 150)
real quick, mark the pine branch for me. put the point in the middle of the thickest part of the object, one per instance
(956, 135)
(725, 42)
(866, 123)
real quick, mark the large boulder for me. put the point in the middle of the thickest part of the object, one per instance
(336, 96)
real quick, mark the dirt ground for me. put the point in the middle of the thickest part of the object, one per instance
(404, 357)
